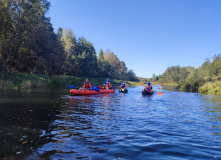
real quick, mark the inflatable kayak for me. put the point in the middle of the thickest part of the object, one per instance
(147, 92)
(123, 90)
(90, 92)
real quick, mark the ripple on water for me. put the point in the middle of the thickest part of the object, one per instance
(175, 125)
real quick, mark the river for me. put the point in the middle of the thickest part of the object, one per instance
(51, 124)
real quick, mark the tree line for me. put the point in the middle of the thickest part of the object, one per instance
(191, 79)
(28, 44)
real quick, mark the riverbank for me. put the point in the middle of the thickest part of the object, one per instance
(208, 85)
(211, 88)
(16, 81)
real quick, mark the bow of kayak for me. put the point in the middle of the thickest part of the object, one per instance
(90, 92)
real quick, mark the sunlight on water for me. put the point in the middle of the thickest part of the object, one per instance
(48, 124)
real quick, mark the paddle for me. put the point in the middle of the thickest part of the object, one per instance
(95, 88)
(160, 93)
(71, 86)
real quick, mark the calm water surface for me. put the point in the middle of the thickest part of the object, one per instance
(51, 124)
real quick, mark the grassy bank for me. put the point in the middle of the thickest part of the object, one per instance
(206, 85)
(211, 88)
(17, 81)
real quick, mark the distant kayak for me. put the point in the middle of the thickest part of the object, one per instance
(147, 92)
(123, 90)
(90, 92)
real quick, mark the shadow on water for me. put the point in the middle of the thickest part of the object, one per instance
(25, 119)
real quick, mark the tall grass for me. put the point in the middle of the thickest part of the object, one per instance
(12, 80)
(205, 85)
(211, 88)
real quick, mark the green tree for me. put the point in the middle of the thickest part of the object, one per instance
(87, 56)
(101, 55)
(154, 78)
(215, 68)
(68, 41)
(32, 42)
(28, 44)
(8, 34)
(59, 33)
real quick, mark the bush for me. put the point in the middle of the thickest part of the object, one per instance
(211, 88)
(5, 84)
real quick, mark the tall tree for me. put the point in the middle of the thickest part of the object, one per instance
(32, 38)
(154, 78)
(87, 55)
(101, 55)
(8, 34)
(59, 33)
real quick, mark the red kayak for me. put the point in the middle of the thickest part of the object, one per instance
(90, 92)
(147, 92)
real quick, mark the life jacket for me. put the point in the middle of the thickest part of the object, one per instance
(149, 87)
(108, 85)
(87, 85)
(123, 86)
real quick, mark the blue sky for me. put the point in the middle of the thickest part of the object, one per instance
(148, 35)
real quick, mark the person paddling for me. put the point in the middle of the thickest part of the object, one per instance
(108, 84)
(87, 85)
(149, 87)
(123, 85)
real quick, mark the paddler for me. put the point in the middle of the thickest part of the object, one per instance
(149, 87)
(108, 84)
(87, 85)
(123, 85)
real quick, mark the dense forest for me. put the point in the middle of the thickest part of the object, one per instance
(29, 44)
(204, 79)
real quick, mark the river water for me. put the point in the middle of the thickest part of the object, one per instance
(51, 124)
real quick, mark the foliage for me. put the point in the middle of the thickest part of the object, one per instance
(32, 46)
(176, 74)
(211, 88)
(111, 66)
(28, 44)
(204, 79)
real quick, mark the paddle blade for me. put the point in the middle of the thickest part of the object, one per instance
(159, 93)
(95, 88)
(140, 84)
(71, 86)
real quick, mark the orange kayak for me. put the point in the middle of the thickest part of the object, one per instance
(90, 92)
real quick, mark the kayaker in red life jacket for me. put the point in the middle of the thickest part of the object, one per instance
(87, 84)
(108, 84)
(123, 85)
(148, 87)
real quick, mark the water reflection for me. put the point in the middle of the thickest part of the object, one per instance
(49, 124)
(24, 119)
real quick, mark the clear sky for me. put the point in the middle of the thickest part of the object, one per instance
(148, 35)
